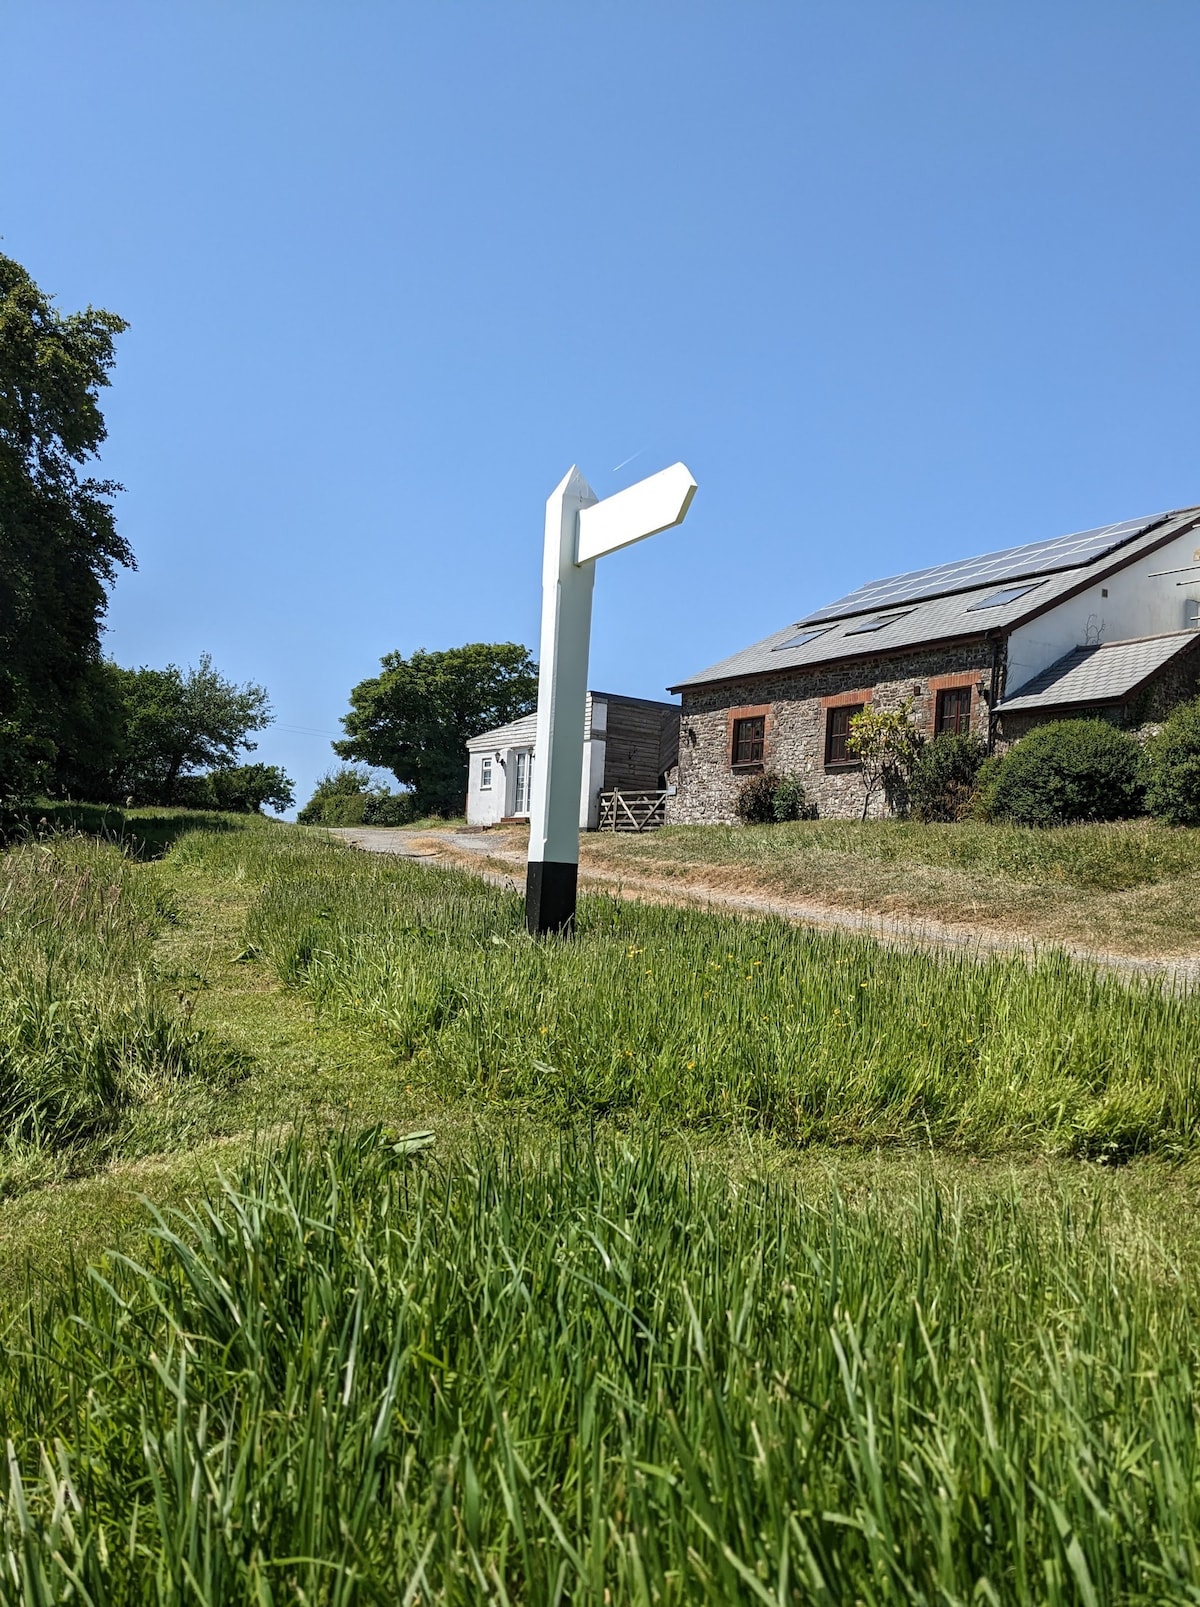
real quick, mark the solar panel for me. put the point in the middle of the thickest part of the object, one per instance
(1037, 558)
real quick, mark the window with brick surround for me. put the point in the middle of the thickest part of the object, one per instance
(749, 740)
(837, 730)
(953, 710)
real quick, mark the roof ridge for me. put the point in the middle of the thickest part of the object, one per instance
(1153, 636)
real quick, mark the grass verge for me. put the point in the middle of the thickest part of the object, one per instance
(823, 1349)
(1132, 888)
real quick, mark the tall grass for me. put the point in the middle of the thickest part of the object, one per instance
(704, 1019)
(1103, 858)
(87, 1031)
(601, 1376)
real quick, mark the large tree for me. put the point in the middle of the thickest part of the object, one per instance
(59, 546)
(415, 718)
(240, 789)
(176, 723)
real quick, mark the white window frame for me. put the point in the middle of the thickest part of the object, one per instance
(485, 773)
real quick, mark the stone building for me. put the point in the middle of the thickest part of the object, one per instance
(1103, 622)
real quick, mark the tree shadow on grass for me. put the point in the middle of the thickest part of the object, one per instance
(144, 834)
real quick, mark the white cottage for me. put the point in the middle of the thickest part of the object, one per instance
(629, 744)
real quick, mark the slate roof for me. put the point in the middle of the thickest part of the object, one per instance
(517, 734)
(945, 617)
(1104, 674)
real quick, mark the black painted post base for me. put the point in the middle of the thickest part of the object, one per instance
(550, 897)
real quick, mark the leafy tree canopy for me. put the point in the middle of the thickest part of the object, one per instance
(886, 744)
(415, 718)
(348, 797)
(177, 722)
(59, 546)
(240, 789)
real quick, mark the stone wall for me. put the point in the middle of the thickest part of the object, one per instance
(796, 705)
(1177, 682)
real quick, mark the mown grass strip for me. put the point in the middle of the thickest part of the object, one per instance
(596, 1374)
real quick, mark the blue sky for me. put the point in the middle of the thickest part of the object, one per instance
(899, 281)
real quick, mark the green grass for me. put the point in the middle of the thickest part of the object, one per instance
(261, 974)
(92, 1045)
(748, 1265)
(705, 1020)
(144, 833)
(1109, 858)
(595, 1374)
(1130, 888)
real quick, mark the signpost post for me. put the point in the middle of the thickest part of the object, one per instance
(579, 529)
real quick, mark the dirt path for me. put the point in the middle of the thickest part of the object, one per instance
(483, 855)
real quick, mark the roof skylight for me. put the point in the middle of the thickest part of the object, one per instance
(1008, 594)
(878, 623)
(803, 639)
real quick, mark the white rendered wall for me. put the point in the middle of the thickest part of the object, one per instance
(1141, 601)
(489, 806)
(485, 806)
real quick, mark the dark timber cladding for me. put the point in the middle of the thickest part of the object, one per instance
(641, 744)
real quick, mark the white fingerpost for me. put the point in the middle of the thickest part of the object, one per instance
(579, 529)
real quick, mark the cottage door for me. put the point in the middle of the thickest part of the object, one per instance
(521, 788)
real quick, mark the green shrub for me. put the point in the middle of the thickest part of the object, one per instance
(764, 799)
(193, 792)
(1066, 771)
(348, 781)
(790, 801)
(941, 783)
(1173, 763)
(755, 803)
(886, 744)
(383, 808)
(350, 810)
(348, 797)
